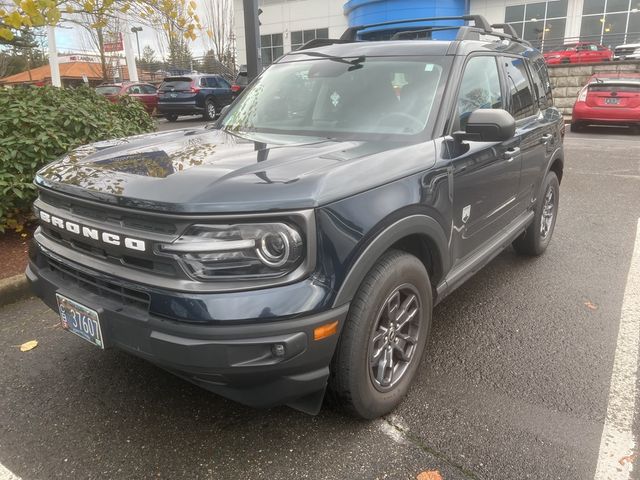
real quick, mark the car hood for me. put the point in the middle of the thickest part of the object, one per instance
(206, 170)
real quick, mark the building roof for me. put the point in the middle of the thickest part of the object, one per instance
(71, 70)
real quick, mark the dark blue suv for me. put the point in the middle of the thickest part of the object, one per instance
(301, 242)
(193, 94)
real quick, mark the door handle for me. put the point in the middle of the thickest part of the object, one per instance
(546, 138)
(510, 154)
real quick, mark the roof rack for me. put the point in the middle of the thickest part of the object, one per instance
(479, 21)
(465, 32)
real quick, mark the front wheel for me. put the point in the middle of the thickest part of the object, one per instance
(535, 239)
(384, 337)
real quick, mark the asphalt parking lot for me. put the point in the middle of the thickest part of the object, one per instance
(515, 383)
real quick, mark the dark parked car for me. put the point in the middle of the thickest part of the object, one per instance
(193, 94)
(301, 242)
(241, 82)
(146, 93)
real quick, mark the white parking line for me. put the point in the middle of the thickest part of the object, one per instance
(6, 474)
(617, 445)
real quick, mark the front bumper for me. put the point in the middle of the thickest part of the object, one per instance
(260, 364)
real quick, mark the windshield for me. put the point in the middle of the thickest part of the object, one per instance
(108, 90)
(337, 97)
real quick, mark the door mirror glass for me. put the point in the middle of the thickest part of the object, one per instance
(488, 125)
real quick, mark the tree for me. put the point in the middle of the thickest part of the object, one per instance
(179, 16)
(219, 27)
(180, 57)
(149, 60)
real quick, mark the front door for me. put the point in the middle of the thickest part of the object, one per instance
(485, 174)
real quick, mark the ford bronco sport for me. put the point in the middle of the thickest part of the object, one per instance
(301, 242)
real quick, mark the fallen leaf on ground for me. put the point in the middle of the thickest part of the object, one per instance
(429, 475)
(591, 306)
(628, 459)
(30, 345)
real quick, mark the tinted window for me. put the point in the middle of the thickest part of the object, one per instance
(541, 83)
(222, 83)
(148, 89)
(181, 83)
(617, 87)
(108, 90)
(210, 82)
(480, 88)
(522, 100)
(242, 79)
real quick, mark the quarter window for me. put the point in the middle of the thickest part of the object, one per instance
(521, 92)
(480, 88)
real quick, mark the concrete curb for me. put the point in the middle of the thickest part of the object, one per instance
(13, 289)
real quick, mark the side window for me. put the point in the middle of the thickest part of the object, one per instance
(148, 89)
(541, 83)
(222, 83)
(134, 90)
(522, 100)
(479, 88)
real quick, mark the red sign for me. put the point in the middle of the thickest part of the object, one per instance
(115, 45)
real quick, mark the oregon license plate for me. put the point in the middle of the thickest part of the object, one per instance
(80, 320)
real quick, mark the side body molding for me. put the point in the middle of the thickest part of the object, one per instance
(410, 225)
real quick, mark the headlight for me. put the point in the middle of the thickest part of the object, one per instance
(240, 251)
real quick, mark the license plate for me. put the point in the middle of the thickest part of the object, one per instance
(80, 320)
(612, 101)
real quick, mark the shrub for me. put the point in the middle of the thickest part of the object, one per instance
(38, 125)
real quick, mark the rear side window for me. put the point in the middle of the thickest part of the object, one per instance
(480, 88)
(148, 89)
(541, 82)
(182, 83)
(108, 90)
(222, 83)
(521, 92)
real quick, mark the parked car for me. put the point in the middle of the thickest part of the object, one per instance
(241, 82)
(143, 92)
(581, 52)
(301, 242)
(628, 51)
(608, 99)
(193, 94)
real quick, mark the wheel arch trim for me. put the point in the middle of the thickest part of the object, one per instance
(422, 225)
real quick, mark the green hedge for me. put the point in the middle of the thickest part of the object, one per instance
(38, 125)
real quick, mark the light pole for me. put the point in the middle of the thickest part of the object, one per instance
(136, 30)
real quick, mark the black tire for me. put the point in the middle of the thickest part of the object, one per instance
(534, 241)
(576, 127)
(210, 109)
(172, 117)
(354, 383)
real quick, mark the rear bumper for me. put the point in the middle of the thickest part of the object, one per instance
(605, 115)
(179, 108)
(260, 364)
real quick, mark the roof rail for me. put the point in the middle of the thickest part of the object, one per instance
(479, 21)
(506, 28)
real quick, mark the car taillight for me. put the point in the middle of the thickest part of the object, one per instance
(235, 88)
(194, 89)
(582, 96)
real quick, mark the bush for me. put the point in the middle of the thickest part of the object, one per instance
(38, 125)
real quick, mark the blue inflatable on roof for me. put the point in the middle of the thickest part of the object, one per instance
(366, 12)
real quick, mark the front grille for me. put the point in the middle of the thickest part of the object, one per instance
(625, 51)
(111, 290)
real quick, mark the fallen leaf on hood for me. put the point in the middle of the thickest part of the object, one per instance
(628, 459)
(30, 345)
(591, 306)
(429, 475)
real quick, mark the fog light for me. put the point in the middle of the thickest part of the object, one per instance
(278, 350)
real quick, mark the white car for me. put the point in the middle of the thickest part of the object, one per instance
(630, 51)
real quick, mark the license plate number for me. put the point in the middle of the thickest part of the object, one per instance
(81, 320)
(612, 101)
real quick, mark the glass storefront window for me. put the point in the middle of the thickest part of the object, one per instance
(557, 8)
(617, 6)
(615, 25)
(543, 21)
(535, 11)
(514, 13)
(591, 28)
(593, 6)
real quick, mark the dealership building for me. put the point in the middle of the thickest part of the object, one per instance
(288, 24)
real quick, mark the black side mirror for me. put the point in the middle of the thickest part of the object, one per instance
(488, 125)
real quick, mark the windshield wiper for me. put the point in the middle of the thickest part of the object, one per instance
(356, 63)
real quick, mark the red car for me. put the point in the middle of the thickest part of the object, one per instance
(143, 92)
(582, 52)
(608, 99)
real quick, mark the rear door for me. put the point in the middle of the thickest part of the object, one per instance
(532, 129)
(177, 90)
(486, 175)
(225, 92)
